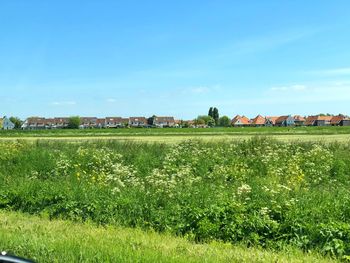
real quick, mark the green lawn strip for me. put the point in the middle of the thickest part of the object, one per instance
(65, 241)
(182, 137)
(177, 131)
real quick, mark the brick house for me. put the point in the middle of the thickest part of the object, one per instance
(240, 121)
(318, 120)
(88, 122)
(34, 123)
(116, 122)
(340, 120)
(138, 122)
(258, 121)
(299, 120)
(270, 120)
(164, 122)
(60, 122)
(285, 121)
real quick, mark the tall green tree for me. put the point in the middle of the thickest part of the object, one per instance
(216, 116)
(74, 122)
(210, 113)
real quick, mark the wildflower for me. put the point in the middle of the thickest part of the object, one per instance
(264, 211)
(244, 189)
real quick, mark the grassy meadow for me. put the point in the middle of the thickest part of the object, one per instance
(260, 193)
(177, 135)
(64, 241)
(305, 130)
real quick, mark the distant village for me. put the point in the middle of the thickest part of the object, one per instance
(37, 123)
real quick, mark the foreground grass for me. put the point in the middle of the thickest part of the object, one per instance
(64, 241)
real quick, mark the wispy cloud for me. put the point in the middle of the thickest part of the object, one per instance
(63, 103)
(297, 87)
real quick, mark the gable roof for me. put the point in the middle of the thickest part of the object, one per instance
(324, 118)
(281, 119)
(138, 119)
(299, 118)
(35, 120)
(258, 120)
(337, 119)
(311, 119)
(164, 119)
(114, 119)
(272, 119)
(242, 119)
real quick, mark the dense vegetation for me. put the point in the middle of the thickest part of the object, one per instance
(259, 192)
(62, 241)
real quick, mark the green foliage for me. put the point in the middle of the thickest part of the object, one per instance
(74, 122)
(214, 113)
(205, 120)
(61, 241)
(258, 192)
(210, 113)
(224, 121)
(17, 122)
(216, 116)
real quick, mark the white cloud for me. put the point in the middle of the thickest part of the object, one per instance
(297, 87)
(63, 103)
(111, 100)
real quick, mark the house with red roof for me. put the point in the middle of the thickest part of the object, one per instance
(318, 120)
(270, 120)
(284, 121)
(258, 121)
(240, 121)
(138, 122)
(340, 120)
(299, 120)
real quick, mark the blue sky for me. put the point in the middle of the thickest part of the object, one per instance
(126, 58)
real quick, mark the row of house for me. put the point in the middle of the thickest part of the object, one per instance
(6, 124)
(94, 122)
(288, 120)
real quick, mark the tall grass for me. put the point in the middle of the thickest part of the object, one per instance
(259, 193)
(63, 241)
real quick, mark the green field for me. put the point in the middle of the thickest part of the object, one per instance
(63, 241)
(260, 192)
(172, 135)
(327, 130)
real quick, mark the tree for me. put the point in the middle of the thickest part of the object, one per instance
(151, 120)
(205, 119)
(74, 122)
(17, 122)
(210, 113)
(216, 116)
(224, 121)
